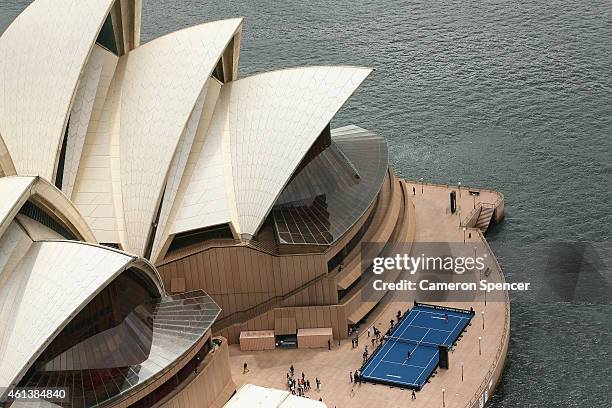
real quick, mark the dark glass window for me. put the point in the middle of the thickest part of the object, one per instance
(106, 38)
(59, 174)
(107, 310)
(218, 71)
(153, 231)
(186, 239)
(36, 213)
(110, 245)
(333, 189)
(120, 359)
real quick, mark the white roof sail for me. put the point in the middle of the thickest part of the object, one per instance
(13, 192)
(38, 77)
(163, 80)
(96, 188)
(279, 116)
(81, 115)
(49, 286)
(254, 396)
(207, 197)
(263, 125)
(178, 168)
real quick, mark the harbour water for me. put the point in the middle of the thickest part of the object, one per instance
(511, 95)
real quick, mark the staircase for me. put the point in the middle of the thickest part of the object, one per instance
(484, 218)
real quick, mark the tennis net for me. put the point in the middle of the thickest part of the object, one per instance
(414, 342)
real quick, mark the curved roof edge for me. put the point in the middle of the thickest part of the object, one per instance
(163, 79)
(307, 67)
(301, 103)
(42, 75)
(171, 346)
(54, 281)
(12, 190)
(17, 190)
(140, 263)
(262, 127)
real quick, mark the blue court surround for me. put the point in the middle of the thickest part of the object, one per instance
(419, 332)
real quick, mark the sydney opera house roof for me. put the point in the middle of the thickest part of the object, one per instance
(65, 305)
(162, 139)
(112, 152)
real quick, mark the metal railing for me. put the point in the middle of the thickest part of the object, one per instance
(499, 354)
(465, 187)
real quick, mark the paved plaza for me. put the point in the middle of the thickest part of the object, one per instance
(471, 357)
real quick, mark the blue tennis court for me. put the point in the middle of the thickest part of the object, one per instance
(411, 353)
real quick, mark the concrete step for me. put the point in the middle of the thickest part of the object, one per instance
(484, 218)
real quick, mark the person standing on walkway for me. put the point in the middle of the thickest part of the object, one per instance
(369, 329)
(245, 368)
(351, 376)
(413, 395)
(318, 383)
(328, 344)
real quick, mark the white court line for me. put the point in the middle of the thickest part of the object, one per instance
(423, 327)
(450, 332)
(439, 318)
(460, 320)
(423, 371)
(434, 313)
(394, 343)
(384, 379)
(430, 360)
(425, 335)
(391, 375)
(443, 315)
(402, 364)
(409, 324)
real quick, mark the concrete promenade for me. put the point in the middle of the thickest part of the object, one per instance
(480, 361)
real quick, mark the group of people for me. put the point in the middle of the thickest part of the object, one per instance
(374, 333)
(299, 386)
(373, 330)
(355, 378)
(365, 354)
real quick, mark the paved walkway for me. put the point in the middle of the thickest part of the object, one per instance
(434, 223)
